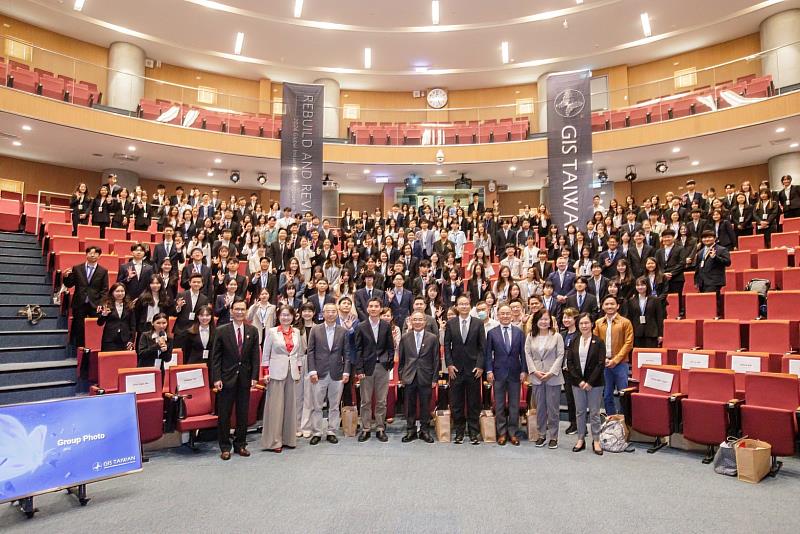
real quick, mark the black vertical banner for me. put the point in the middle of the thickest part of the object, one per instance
(301, 148)
(569, 147)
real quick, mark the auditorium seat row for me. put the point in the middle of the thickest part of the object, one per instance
(456, 133)
(169, 112)
(41, 82)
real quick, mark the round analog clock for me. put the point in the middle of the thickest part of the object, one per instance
(437, 98)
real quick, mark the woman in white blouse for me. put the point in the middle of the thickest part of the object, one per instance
(586, 363)
(283, 347)
(304, 255)
(544, 352)
(262, 314)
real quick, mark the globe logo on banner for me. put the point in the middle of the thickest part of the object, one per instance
(569, 103)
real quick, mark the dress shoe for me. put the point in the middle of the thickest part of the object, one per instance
(571, 429)
(306, 434)
(474, 439)
(243, 452)
(459, 439)
(315, 440)
(553, 444)
(411, 435)
(596, 450)
(298, 434)
(332, 439)
(424, 436)
(582, 447)
(382, 437)
(364, 436)
(502, 440)
(289, 447)
(540, 442)
(225, 455)
(276, 451)
(514, 441)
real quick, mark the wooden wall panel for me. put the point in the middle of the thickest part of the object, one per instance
(150, 185)
(513, 201)
(715, 179)
(46, 177)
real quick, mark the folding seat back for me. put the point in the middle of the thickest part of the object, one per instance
(652, 410)
(110, 262)
(57, 228)
(681, 334)
(379, 136)
(741, 305)
(784, 305)
(785, 239)
(87, 231)
(60, 243)
(772, 258)
(141, 236)
(688, 285)
(618, 119)
(705, 415)
(116, 234)
(770, 410)
(722, 335)
(711, 385)
(103, 244)
(653, 383)
(790, 363)
(751, 242)
(773, 336)
(766, 273)
(52, 87)
(791, 224)
(673, 306)
(790, 278)
(191, 382)
(695, 359)
(741, 260)
(146, 384)
(642, 357)
(742, 363)
(234, 125)
(599, 121)
(701, 305)
(637, 116)
(108, 366)
(93, 334)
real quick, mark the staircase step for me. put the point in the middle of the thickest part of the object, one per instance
(41, 288)
(27, 269)
(8, 311)
(20, 338)
(33, 354)
(15, 374)
(5, 261)
(15, 237)
(37, 392)
(51, 322)
(19, 246)
(37, 277)
(19, 252)
(21, 300)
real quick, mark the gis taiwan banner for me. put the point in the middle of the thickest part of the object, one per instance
(301, 148)
(569, 147)
(52, 445)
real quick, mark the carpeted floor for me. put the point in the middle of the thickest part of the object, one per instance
(396, 487)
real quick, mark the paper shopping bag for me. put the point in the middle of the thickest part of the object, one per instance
(753, 459)
(533, 428)
(349, 421)
(442, 423)
(487, 424)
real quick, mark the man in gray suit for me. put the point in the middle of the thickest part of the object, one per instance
(329, 371)
(419, 359)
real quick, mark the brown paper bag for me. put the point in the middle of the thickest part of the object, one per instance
(442, 423)
(349, 421)
(753, 459)
(488, 428)
(533, 428)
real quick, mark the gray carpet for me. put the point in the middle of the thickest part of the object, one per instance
(396, 487)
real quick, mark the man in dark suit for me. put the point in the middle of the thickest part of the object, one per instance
(543, 266)
(789, 197)
(226, 240)
(235, 360)
(506, 368)
(729, 200)
(464, 341)
(166, 249)
(223, 277)
(608, 258)
(186, 306)
(631, 224)
(328, 233)
(320, 298)
(374, 359)
(650, 237)
(582, 300)
(264, 279)
(597, 283)
(195, 265)
(638, 252)
(671, 259)
(691, 195)
(400, 300)
(135, 274)
(443, 246)
(696, 225)
(365, 294)
(329, 371)
(419, 358)
(475, 208)
(502, 237)
(419, 285)
(279, 252)
(710, 264)
(90, 281)
(229, 223)
(562, 280)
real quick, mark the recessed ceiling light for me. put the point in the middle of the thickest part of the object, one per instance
(381, 179)
(676, 149)
(579, 2)
(237, 47)
(435, 12)
(26, 128)
(695, 163)
(368, 58)
(589, 161)
(131, 148)
(298, 8)
(209, 174)
(646, 25)
(504, 52)
(439, 192)
(420, 69)
(366, 171)
(438, 171)
(79, 5)
(217, 160)
(512, 168)
(780, 129)
(794, 145)
(16, 143)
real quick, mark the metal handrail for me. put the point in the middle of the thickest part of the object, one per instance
(39, 204)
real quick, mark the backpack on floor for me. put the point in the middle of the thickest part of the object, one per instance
(614, 435)
(761, 286)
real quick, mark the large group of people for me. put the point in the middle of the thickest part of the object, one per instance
(434, 291)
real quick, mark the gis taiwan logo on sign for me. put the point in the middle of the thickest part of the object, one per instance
(569, 103)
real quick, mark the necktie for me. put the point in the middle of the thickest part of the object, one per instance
(612, 254)
(369, 293)
(89, 272)
(197, 268)
(418, 340)
(263, 280)
(463, 330)
(167, 247)
(506, 339)
(580, 301)
(239, 341)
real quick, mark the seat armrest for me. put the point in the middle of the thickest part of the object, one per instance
(677, 411)
(96, 390)
(627, 391)
(734, 411)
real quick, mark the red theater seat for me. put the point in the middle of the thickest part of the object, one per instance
(790, 278)
(784, 305)
(191, 384)
(701, 305)
(681, 334)
(108, 366)
(772, 401)
(785, 239)
(654, 407)
(741, 305)
(773, 336)
(146, 384)
(86, 231)
(641, 357)
(792, 224)
(741, 260)
(751, 242)
(705, 411)
(768, 274)
(697, 359)
(772, 258)
(790, 363)
(742, 363)
(722, 335)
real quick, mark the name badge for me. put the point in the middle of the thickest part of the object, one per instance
(191, 316)
(787, 201)
(205, 354)
(702, 263)
(100, 209)
(741, 219)
(80, 206)
(452, 298)
(764, 217)
(641, 319)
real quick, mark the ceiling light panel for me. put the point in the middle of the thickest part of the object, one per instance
(646, 25)
(435, 12)
(368, 58)
(237, 47)
(504, 52)
(79, 5)
(298, 8)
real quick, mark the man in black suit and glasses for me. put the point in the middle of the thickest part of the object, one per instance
(90, 281)
(235, 361)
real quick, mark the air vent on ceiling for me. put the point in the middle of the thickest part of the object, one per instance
(750, 147)
(125, 157)
(502, 187)
(676, 160)
(5, 135)
(780, 141)
(528, 173)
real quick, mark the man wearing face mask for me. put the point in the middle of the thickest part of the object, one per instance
(481, 311)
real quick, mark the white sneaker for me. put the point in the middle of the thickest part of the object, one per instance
(299, 434)
(306, 434)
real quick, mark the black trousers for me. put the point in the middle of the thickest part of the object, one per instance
(77, 335)
(677, 287)
(645, 342)
(573, 419)
(238, 394)
(465, 391)
(716, 290)
(103, 226)
(418, 392)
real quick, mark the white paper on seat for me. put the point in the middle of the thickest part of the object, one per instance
(190, 379)
(648, 358)
(171, 362)
(144, 383)
(692, 360)
(658, 380)
(794, 367)
(746, 364)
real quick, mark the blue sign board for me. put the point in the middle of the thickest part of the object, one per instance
(51, 445)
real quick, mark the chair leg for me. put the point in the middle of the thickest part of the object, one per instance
(192, 446)
(776, 466)
(657, 445)
(709, 455)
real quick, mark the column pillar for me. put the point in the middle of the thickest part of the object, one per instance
(125, 75)
(783, 64)
(781, 165)
(331, 126)
(330, 203)
(125, 178)
(541, 101)
(265, 96)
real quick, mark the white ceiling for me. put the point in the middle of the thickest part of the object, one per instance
(462, 52)
(71, 147)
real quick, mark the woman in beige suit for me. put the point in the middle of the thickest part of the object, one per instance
(283, 346)
(544, 351)
(262, 314)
